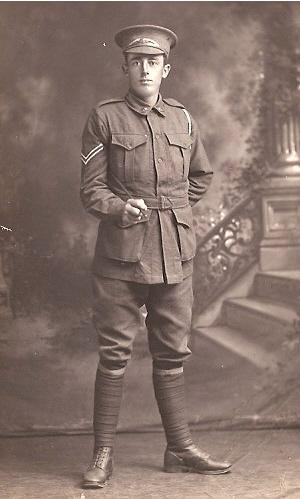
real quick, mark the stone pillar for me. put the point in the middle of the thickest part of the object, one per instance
(280, 194)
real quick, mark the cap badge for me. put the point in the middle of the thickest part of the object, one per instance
(144, 41)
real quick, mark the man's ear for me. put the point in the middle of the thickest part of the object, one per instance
(125, 68)
(166, 70)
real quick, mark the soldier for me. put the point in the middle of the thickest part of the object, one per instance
(143, 168)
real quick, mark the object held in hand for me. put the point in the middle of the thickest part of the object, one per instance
(143, 215)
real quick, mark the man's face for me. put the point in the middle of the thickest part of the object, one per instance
(145, 73)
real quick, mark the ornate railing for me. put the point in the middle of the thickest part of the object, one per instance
(226, 251)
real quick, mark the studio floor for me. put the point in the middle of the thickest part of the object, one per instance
(266, 464)
(237, 412)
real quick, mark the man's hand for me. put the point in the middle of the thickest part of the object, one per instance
(133, 211)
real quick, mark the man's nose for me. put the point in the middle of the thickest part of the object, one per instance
(145, 67)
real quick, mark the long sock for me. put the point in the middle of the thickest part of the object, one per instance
(169, 393)
(107, 401)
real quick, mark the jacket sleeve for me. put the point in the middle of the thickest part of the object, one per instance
(96, 196)
(200, 173)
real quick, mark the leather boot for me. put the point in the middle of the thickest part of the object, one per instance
(191, 459)
(100, 469)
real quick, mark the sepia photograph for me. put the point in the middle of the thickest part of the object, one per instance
(150, 250)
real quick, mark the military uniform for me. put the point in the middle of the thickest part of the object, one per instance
(155, 153)
(132, 150)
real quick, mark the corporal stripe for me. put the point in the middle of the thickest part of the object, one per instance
(92, 153)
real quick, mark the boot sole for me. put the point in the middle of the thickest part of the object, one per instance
(95, 485)
(186, 469)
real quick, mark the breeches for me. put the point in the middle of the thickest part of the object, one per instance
(117, 319)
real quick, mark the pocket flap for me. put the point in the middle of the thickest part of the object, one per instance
(121, 243)
(179, 139)
(184, 216)
(128, 141)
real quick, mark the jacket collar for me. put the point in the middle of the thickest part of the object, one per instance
(141, 107)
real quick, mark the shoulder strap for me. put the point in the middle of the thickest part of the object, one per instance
(109, 101)
(173, 102)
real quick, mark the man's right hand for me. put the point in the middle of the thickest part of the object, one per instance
(133, 211)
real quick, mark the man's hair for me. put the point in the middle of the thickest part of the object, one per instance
(164, 56)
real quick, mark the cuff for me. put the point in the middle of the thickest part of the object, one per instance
(167, 372)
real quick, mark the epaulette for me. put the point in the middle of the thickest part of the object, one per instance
(109, 101)
(174, 103)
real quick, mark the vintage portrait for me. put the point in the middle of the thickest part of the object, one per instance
(150, 250)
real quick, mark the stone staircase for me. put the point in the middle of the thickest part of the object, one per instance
(259, 326)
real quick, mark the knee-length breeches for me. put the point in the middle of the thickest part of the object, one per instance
(117, 319)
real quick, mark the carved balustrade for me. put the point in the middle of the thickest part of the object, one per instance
(226, 251)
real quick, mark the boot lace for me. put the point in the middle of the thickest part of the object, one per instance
(100, 457)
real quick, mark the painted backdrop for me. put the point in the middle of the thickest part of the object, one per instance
(57, 61)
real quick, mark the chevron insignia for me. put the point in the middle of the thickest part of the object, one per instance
(91, 154)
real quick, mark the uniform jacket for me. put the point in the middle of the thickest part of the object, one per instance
(130, 150)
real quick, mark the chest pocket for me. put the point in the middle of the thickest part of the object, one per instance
(127, 155)
(180, 152)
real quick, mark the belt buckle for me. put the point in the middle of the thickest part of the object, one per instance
(164, 203)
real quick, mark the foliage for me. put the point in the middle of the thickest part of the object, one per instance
(272, 94)
(267, 89)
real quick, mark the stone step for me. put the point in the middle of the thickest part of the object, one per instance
(283, 286)
(265, 322)
(237, 342)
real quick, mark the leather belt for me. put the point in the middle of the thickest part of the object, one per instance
(153, 203)
(164, 202)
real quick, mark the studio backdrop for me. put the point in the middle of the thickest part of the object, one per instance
(57, 61)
